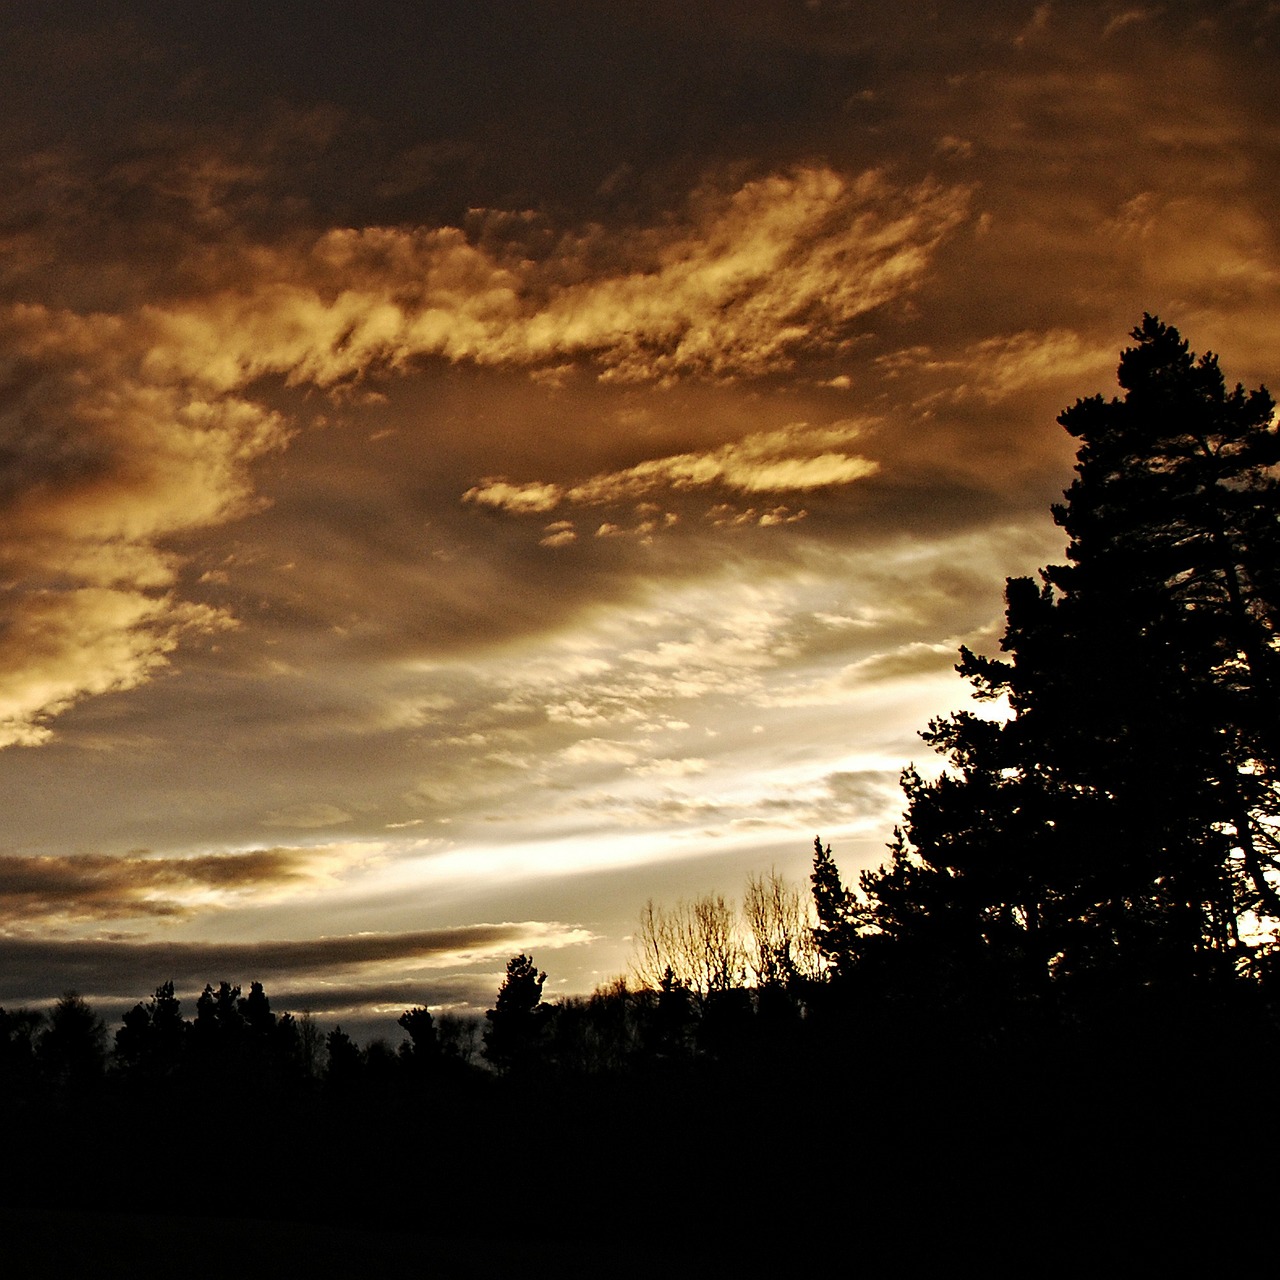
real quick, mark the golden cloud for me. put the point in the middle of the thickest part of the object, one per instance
(734, 289)
(785, 260)
(996, 369)
(59, 646)
(126, 429)
(100, 467)
(797, 458)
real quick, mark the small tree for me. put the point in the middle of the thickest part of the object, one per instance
(839, 917)
(422, 1050)
(73, 1044)
(151, 1041)
(19, 1037)
(517, 1018)
(310, 1042)
(345, 1066)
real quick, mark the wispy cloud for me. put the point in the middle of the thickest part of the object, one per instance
(731, 289)
(995, 369)
(795, 459)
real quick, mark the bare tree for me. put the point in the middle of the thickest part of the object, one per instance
(461, 1037)
(778, 931)
(715, 944)
(310, 1045)
(653, 948)
(695, 945)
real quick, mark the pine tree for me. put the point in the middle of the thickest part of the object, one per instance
(152, 1038)
(1121, 825)
(835, 935)
(517, 1018)
(1174, 521)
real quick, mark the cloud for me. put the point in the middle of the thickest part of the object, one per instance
(996, 369)
(319, 814)
(726, 516)
(38, 969)
(687, 767)
(794, 459)
(98, 468)
(522, 499)
(119, 432)
(86, 887)
(866, 791)
(559, 533)
(1127, 19)
(59, 646)
(732, 289)
(352, 1001)
(785, 260)
(915, 659)
(598, 751)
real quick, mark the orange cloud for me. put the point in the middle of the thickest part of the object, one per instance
(132, 428)
(733, 289)
(794, 459)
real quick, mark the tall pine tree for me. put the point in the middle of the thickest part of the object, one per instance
(1121, 825)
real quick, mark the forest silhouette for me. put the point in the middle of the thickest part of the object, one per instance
(1046, 1022)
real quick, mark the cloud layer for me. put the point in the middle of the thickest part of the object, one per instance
(356, 970)
(143, 432)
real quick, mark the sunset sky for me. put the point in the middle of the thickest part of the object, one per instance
(468, 468)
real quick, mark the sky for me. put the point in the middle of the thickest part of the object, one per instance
(468, 469)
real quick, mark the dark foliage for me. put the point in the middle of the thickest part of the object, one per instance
(1114, 836)
(517, 1018)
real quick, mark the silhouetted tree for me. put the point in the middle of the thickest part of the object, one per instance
(382, 1067)
(218, 1015)
(779, 936)
(259, 1044)
(19, 1034)
(699, 942)
(255, 1012)
(595, 1036)
(287, 1054)
(517, 1018)
(421, 1052)
(1121, 824)
(836, 933)
(152, 1040)
(420, 1027)
(461, 1038)
(674, 1018)
(73, 1044)
(1174, 520)
(345, 1065)
(310, 1044)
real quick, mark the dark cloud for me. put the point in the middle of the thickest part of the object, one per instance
(467, 992)
(82, 887)
(38, 969)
